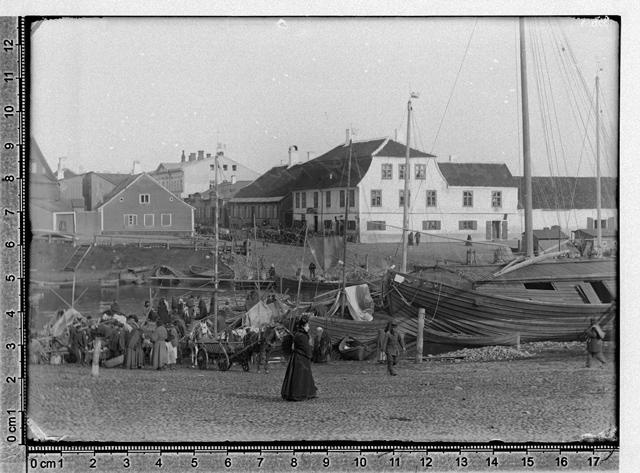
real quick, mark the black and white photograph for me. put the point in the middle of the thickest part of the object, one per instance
(323, 228)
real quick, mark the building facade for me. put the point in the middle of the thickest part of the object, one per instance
(197, 172)
(141, 205)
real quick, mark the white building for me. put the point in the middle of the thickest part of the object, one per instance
(446, 199)
(197, 173)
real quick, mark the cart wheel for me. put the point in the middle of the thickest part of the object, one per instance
(203, 359)
(224, 363)
(245, 366)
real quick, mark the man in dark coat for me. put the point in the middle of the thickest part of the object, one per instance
(202, 308)
(163, 311)
(298, 384)
(312, 270)
(391, 346)
(321, 346)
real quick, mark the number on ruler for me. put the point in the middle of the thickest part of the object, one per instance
(8, 45)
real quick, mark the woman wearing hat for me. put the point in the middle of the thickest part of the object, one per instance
(298, 384)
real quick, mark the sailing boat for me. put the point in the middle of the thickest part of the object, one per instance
(496, 305)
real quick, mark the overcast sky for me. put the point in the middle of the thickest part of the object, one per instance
(106, 92)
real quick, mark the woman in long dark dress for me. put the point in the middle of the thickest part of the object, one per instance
(298, 384)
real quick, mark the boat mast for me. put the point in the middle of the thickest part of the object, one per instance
(405, 219)
(346, 220)
(215, 256)
(526, 151)
(598, 185)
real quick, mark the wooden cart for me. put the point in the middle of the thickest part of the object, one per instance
(224, 353)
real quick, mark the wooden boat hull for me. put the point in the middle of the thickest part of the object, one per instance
(351, 349)
(462, 315)
(224, 271)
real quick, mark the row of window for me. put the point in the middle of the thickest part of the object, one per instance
(148, 220)
(300, 199)
(426, 225)
(432, 198)
(259, 211)
(420, 171)
(335, 225)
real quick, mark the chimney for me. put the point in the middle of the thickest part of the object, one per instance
(233, 179)
(396, 135)
(348, 137)
(135, 168)
(183, 158)
(452, 158)
(192, 157)
(293, 155)
(200, 155)
(60, 172)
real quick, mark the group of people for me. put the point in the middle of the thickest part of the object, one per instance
(413, 237)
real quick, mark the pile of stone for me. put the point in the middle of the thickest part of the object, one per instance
(542, 346)
(492, 353)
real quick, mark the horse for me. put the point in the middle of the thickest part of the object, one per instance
(261, 343)
(199, 331)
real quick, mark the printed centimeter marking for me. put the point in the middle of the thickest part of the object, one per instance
(326, 458)
(12, 359)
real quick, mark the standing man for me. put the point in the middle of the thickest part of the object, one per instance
(391, 346)
(595, 337)
(417, 238)
(312, 270)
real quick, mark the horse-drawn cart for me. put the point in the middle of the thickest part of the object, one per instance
(224, 353)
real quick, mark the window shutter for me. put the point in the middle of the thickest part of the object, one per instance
(488, 232)
(505, 233)
(590, 223)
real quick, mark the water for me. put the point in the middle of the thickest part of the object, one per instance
(92, 299)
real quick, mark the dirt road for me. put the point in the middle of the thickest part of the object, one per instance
(549, 397)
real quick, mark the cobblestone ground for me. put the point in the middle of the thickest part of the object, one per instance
(550, 397)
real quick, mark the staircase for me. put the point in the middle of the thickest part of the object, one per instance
(77, 257)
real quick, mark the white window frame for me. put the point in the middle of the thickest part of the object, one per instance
(141, 199)
(421, 171)
(467, 198)
(387, 171)
(435, 198)
(376, 225)
(401, 171)
(162, 220)
(144, 220)
(432, 225)
(496, 199)
(462, 225)
(376, 197)
(130, 220)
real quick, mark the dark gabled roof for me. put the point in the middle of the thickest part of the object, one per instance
(553, 233)
(326, 171)
(477, 174)
(226, 189)
(123, 184)
(593, 232)
(569, 192)
(275, 182)
(35, 154)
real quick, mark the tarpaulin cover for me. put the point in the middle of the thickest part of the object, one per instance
(263, 314)
(59, 329)
(359, 302)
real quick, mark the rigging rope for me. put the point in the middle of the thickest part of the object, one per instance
(454, 86)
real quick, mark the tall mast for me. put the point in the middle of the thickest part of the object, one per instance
(598, 186)
(346, 224)
(215, 256)
(405, 219)
(526, 151)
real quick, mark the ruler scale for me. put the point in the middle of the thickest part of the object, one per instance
(12, 361)
(19, 453)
